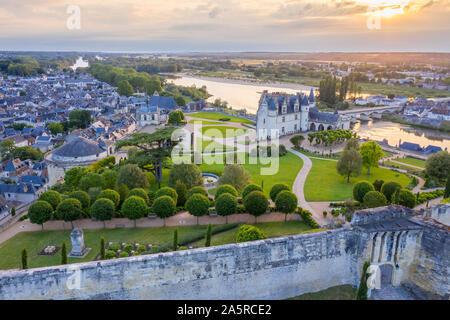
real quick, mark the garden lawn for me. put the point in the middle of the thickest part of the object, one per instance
(401, 166)
(288, 168)
(325, 184)
(203, 122)
(217, 115)
(34, 242)
(412, 161)
(210, 146)
(270, 229)
(222, 131)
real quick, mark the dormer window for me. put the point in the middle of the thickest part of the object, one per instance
(284, 109)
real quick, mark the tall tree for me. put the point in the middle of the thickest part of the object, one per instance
(155, 149)
(24, 259)
(63, 253)
(371, 153)
(349, 164)
(125, 88)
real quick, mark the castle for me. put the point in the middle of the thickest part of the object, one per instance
(282, 114)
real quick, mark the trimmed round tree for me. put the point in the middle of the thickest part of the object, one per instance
(139, 192)
(360, 189)
(226, 205)
(194, 190)
(250, 188)
(374, 199)
(226, 188)
(134, 208)
(83, 197)
(52, 197)
(276, 189)
(249, 233)
(167, 191)
(69, 210)
(110, 194)
(164, 207)
(256, 203)
(286, 202)
(40, 212)
(389, 188)
(404, 197)
(197, 205)
(103, 209)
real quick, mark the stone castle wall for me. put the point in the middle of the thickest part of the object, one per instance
(267, 269)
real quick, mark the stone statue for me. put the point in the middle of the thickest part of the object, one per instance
(77, 238)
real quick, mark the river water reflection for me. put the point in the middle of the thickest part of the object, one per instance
(394, 132)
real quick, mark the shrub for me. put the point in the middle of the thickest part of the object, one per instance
(389, 188)
(69, 210)
(103, 209)
(52, 197)
(134, 208)
(249, 233)
(360, 189)
(194, 190)
(139, 192)
(128, 248)
(226, 205)
(24, 259)
(307, 217)
(123, 192)
(276, 189)
(141, 248)
(256, 203)
(83, 197)
(102, 249)
(404, 197)
(286, 202)
(167, 191)
(164, 207)
(40, 212)
(208, 236)
(132, 176)
(226, 188)
(91, 180)
(114, 246)
(198, 205)
(93, 193)
(235, 175)
(377, 185)
(189, 174)
(374, 199)
(249, 188)
(437, 166)
(110, 254)
(112, 195)
(181, 190)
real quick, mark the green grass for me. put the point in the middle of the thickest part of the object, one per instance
(325, 184)
(270, 229)
(209, 146)
(222, 131)
(401, 166)
(412, 161)
(203, 122)
(216, 116)
(288, 168)
(34, 242)
(344, 292)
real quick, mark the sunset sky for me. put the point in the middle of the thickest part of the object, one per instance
(227, 25)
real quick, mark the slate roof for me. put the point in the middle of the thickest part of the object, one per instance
(410, 146)
(432, 149)
(78, 147)
(316, 115)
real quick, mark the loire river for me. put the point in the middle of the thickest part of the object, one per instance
(246, 95)
(394, 132)
(238, 94)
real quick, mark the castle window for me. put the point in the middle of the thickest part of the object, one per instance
(282, 129)
(296, 117)
(283, 119)
(264, 121)
(284, 110)
(295, 127)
